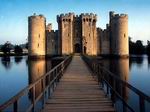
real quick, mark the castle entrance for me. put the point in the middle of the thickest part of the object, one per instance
(84, 50)
(77, 48)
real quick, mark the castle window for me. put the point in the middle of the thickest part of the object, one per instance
(69, 20)
(39, 35)
(63, 19)
(38, 45)
(89, 34)
(84, 20)
(90, 20)
(124, 35)
(38, 70)
(94, 20)
(68, 34)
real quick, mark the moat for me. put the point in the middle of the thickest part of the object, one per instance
(19, 72)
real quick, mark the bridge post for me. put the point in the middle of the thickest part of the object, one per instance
(142, 104)
(33, 98)
(16, 106)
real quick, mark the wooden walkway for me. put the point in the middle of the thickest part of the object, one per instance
(77, 91)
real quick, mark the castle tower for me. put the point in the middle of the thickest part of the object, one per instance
(99, 36)
(36, 35)
(89, 33)
(50, 41)
(65, 26)
(119, 34)
(49, 27)
(105, 41)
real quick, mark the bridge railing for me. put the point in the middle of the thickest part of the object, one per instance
(108, 80)
(48, 83)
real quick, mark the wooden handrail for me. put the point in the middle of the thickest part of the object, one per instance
(14, 100)
(96, 68)
(146, 97)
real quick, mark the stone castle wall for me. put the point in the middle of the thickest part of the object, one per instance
(36, 35)
(89, 33)
(99, 36)
(119, 34)
(65, 25)
(78, 34)
(105, 41)
(51, 41)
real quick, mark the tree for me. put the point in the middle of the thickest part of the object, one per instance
(139, 48)
(148, 48)
(26, 46)
(18, 49)
(6, 48)
(136, 47)
(131, 46)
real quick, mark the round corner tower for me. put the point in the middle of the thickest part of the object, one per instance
(119, 34)
(36, 35)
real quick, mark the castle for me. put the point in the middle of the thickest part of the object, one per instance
(78, 34)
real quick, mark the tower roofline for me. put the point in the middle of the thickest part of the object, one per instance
(117, 16)
(37, 16)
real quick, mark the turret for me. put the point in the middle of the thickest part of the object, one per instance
(36, 35)
(49, 27)
(119, 34)
(89, 33)
(65, 26)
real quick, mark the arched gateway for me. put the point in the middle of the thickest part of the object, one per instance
(77, 48)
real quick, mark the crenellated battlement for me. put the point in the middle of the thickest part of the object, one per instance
(114, 16)
(66, 17)
(71, 16)
(120, 16)
(34, 16)
(88, 16)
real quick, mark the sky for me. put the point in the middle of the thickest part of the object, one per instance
(14, 15)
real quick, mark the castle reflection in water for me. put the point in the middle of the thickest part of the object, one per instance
(38, 68)
(120, 67)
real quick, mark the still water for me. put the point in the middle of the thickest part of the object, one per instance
(135, 71)
(18, 72)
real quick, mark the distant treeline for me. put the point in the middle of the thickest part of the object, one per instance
(8, 48)
(138, 48)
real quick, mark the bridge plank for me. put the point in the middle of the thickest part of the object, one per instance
(78, 91)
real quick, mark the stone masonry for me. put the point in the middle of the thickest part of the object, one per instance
(78, 34)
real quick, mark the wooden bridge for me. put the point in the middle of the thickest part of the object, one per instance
(71, 87)
(78, 91)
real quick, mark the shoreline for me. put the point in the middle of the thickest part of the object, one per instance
(12, 54)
